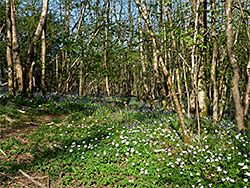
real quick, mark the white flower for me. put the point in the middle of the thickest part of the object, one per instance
(70, 150)
(223, 179)
(237, 136)
(132, 150)
(104, 153)
(247, 174)
(245, 167)
(241, 164)
(245, 180)
(178, 159)
(225, 172)
(232, 180)
(127, 143)
(219, 169)
(146, 172)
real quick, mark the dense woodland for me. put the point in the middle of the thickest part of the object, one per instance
(192, 56)
(124, 93)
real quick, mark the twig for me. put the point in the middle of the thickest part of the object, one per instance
(8, 176)
(34, 181)
(66, 119)
(3, 152)
(22, 184)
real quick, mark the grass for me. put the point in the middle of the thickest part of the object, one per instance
(101, 143)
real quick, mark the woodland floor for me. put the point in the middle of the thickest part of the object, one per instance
(95, 141)
(18, 128)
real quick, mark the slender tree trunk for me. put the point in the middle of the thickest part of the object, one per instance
(222, 100)
(246, 98)
(202, 88)
(106, 61)
(11, 91)
(144, 77)
(214, 63)
(15, 51)
(145, 15)
(57, 75)
(194, 73)
(106, 52)
(81, 81)
(43, 54)
(239, 110)
(33, 48)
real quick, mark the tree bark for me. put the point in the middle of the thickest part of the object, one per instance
(246, 97)
(177, 71)
(11, 91)
(33, 48)
(145, 15)
(239, 115)
(106, 53)
(202, 89)
(15, 51)
(43, 54)
(214, 63)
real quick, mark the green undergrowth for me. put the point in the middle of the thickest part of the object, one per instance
(100, 142)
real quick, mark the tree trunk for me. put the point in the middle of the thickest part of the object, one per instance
(11, 91)
(43, 54)
(32, 53)
(239, 111)
(246, 97)
(106, 52)
(177, 71)
(214, 63)
(57, 75)
(15, 51)
(145, 15)
(202, 88)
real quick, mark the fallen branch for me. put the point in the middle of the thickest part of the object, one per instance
(66, 119)
(22, 184)
(8, 176)
(3, 152)
(30, 178)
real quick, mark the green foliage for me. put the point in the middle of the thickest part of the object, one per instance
(103, 143)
